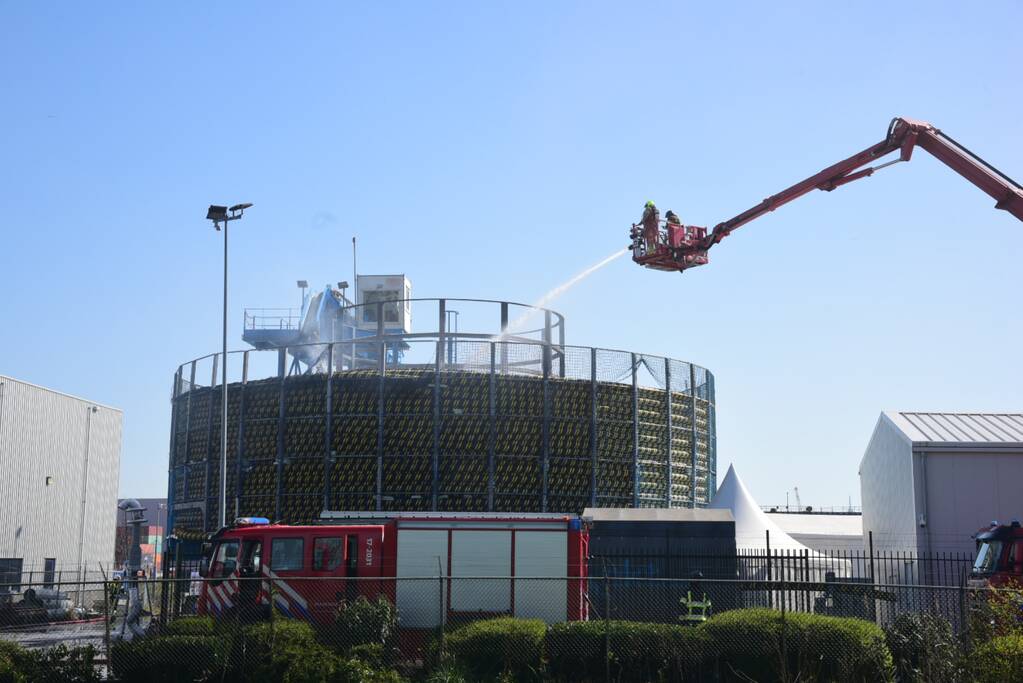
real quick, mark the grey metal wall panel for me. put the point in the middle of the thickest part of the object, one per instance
(967, 491)
(887, 489)
(77, 444)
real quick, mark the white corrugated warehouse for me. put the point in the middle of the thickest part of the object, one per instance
(59, 466)
(929, 481)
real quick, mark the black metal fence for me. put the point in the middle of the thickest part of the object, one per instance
(417, 620)
(708, 561)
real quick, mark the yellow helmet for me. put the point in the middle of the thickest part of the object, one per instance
(649, 204)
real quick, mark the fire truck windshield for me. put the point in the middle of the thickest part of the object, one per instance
(224, 561)
(987, 557)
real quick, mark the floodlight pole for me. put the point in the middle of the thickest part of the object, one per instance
(218, 216)
(223, 392)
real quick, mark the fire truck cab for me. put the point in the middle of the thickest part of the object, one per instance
(305, 571)
(999, 555)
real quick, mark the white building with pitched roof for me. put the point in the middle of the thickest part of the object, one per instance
(929, 481)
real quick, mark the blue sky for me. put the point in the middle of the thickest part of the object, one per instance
(494, 149)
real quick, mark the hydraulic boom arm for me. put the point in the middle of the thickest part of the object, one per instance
(679, 247)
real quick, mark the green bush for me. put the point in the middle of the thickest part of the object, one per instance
(629, 651)
(265, 651)
(373, 654)
(363, 622)
(312, 665)
(998, 660)
(495, 646)
(9, 672)
(996, 612)
(749, 644)
(281, 634)
(168, 659)
(190, 626)
(60, 663)
(356, 671)
(924, 649)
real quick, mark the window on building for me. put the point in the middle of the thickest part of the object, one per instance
(286, 554)
(328, 554)
(49, 569)
(10, 574)
(392, 309)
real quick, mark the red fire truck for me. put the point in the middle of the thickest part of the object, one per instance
(999, 556)
(433, 566)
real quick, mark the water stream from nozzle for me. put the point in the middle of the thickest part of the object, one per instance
(550, 296)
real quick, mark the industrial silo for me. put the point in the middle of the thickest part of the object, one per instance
(501, 417)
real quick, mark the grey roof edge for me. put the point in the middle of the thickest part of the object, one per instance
(1001, 429)
(657, 515)
(60, 393)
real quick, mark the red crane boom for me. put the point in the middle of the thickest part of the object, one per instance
(679, 247)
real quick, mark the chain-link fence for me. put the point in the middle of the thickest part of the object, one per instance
(325, 628)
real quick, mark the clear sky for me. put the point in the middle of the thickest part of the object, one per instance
(494, 149)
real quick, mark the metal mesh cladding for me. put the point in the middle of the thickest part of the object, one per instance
(476, 426)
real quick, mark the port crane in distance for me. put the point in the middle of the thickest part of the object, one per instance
(672, 246)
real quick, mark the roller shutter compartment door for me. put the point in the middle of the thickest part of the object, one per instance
(481, 554)
(421, 553)
(541, 554)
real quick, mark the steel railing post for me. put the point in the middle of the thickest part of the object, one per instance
(668, 445)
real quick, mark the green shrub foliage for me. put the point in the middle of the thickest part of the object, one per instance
(363, 622)
(627, 651)
(739, 645)
(924, 649)
(190, 626)
(169, 659)
(495, 646)
(998, 661)
(60, 663)
(758, 644)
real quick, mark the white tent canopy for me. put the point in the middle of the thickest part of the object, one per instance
(751, 523)
(753, 527)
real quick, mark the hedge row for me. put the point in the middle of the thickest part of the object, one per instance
(192, 649)
(738, 645)
(61, 663)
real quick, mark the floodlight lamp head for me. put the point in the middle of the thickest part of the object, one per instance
(216, 213)
(302, 284)
(343, 284)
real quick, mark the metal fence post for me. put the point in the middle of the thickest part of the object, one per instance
(870, 541)
(435, 464)
(442, 617)
(545, 428)
(239, 449)
(328, 427)
(594, 417)
(694, 441)
(209, 447)
(607, 627)
(635, 432)
(106, 620)
(784, 649)
(381, 411)
(492, 426)
(668, 454)
(281, 414)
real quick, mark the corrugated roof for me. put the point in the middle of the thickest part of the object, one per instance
(1005, 429)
